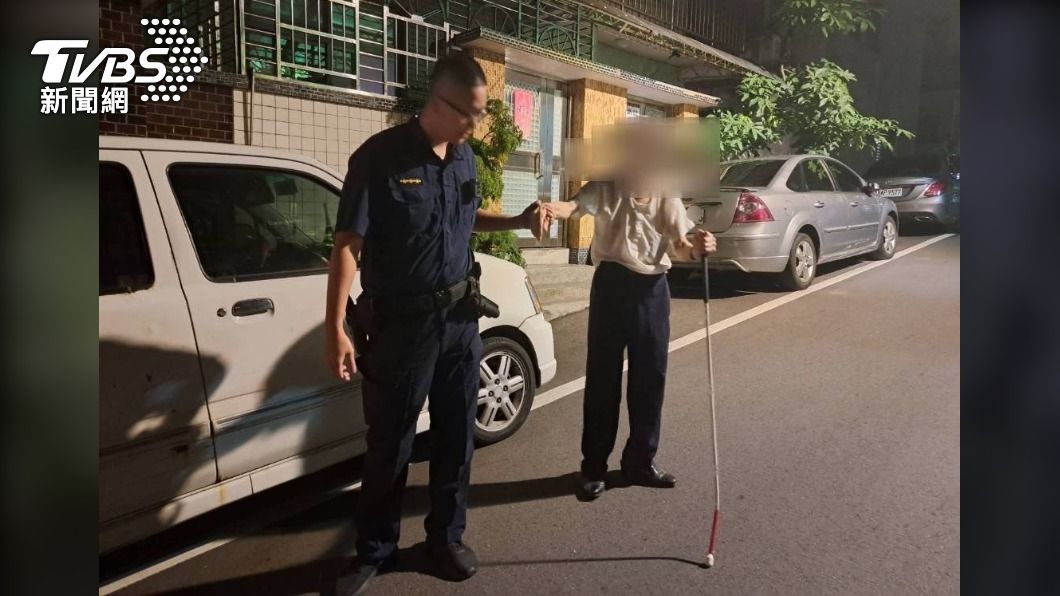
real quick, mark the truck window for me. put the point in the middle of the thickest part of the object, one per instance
(253, 223)
(124, 260)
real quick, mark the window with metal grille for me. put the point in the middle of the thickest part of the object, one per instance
(636, 108)
(350, 44)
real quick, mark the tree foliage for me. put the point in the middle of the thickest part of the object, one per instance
(827, 17)
(491, 153)
(811, 105)
(492, 150)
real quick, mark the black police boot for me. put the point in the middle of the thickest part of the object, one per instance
(590, 488)
(355, 580)
(454, 561)
(652, 476)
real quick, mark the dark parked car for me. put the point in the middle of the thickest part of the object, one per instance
(926, 188)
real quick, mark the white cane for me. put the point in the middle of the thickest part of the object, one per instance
(713, 420)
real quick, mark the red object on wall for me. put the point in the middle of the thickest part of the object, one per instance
(523, 110)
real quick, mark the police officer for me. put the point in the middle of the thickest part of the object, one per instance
(409, 204)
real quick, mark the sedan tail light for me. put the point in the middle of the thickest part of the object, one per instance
(936, 189)
(751, 209)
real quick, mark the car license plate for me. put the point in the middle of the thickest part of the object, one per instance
(888, 193)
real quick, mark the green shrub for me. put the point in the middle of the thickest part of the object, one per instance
(503, 245)
(491, 153)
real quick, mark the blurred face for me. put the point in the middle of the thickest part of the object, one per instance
(667, 158)
(459, 109)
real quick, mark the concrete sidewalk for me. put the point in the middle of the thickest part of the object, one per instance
(562, 288)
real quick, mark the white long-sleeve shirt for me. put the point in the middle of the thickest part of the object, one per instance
(637, 235)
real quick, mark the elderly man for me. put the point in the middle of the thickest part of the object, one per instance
(635, 236)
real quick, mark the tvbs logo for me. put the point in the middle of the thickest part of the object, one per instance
(166, 68)
(118, 63)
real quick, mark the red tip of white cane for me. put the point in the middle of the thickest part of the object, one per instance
(713, 540)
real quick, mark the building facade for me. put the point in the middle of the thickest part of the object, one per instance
(318, 77)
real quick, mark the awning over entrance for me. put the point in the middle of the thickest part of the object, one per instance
(559, 66)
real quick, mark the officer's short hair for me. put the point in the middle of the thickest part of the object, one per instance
(457, 68)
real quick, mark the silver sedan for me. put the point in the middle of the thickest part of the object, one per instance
(785, 215)
(926, 188)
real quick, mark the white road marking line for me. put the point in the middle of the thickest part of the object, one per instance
(160, 566)
(571, 387)
(550, 396)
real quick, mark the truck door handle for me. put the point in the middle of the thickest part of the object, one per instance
(819, 204)
(253, 306)
(537, 165)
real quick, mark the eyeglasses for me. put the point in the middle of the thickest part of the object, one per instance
(473, 117)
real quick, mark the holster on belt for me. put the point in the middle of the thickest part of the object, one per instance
(358, 319)
(481, 305)
(362, 317)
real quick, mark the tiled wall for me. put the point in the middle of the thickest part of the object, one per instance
(325, 131)
(494, 67)
(683, 110)
(592, 104)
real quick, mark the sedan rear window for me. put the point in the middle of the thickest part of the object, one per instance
(914, 165)
(750, 173)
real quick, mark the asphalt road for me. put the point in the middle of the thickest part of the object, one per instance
(839, 439)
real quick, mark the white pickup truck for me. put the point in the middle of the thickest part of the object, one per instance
(212, 379)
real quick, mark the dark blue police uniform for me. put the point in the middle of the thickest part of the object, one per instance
(415, 212)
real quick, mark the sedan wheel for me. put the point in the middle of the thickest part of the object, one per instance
(887, 242)
(802, 264)
(506, 390)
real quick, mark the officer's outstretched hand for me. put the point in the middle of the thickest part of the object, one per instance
(340, 356)
(537, 219)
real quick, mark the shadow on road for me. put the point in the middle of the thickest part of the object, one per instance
(334, 514)
(318, 577)
(728, 284)
(338, 511)
(587, 560)
(323, 576)
(925, 229)
(732, 284)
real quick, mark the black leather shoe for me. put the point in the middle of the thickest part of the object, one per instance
(589, 489)
(454, 561)
(356, 579)
(651, 476)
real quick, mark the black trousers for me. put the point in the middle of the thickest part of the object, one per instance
(627, 311)
(409, 356)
